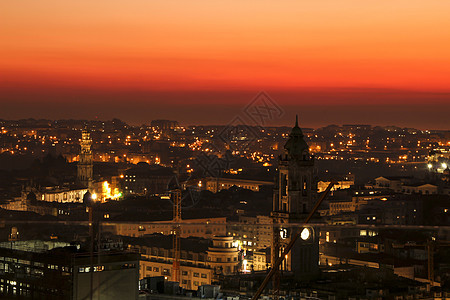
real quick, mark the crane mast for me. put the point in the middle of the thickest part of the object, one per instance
(176, 234)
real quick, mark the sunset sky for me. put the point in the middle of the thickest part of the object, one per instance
(379, 62)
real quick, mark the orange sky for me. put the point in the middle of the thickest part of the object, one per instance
(211, 44)
(56, 56)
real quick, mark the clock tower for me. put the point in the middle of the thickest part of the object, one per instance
(295, 194)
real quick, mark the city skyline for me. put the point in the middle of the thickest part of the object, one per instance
(310, 116)
(211, 149)
(430, 115)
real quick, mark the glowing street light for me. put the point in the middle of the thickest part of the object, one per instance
(430, 166)
(444, 166)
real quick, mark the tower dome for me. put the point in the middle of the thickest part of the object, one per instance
(296, 147)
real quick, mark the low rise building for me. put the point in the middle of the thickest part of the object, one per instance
(223, 255)
(339, 185)
(200, 260)
(191, 276)
(145, 179)
(393, 183)
(258, 260)
(217, 184)
(204, 228)
(369, 244)
(420, 188)
(63, 195)
(351, 200)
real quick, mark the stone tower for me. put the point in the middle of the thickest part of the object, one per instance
(295, 191)
(294, 196)
(85, 166)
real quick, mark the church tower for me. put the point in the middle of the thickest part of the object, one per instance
(295, 191)
(295, 194)
(85, 166)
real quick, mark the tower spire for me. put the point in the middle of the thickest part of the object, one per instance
(296, 120)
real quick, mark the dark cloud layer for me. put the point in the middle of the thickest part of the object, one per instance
(315, 107)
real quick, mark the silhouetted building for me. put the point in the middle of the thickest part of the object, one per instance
(56, 270)
(147, 179)
(164, 124)
(294, 197)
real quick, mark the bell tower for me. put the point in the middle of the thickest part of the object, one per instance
(295, 191)
(295, 194)
(85, 165)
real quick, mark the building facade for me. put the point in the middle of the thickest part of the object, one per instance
(57, 270)
(192, 276)
(63, 195)
(217, 184)
(204, 228)
(146, 179)
(201, 262)
(223, 255)
(252, 233)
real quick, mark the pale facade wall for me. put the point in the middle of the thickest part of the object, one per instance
(204, 228)
(339, 185)
(64, 196)
(191, 276)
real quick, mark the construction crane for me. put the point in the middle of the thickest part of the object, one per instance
(176, 196)
(431, 245)
(430, 250)
(275, 255)
(276, 264)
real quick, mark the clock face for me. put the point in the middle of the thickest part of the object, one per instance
(305, 234)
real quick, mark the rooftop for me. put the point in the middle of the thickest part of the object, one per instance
(36, 246)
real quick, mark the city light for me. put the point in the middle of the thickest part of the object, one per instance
(141, 191)
(305, 234)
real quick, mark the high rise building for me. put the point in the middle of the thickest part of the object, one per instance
(295, 193)
(85, 165)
